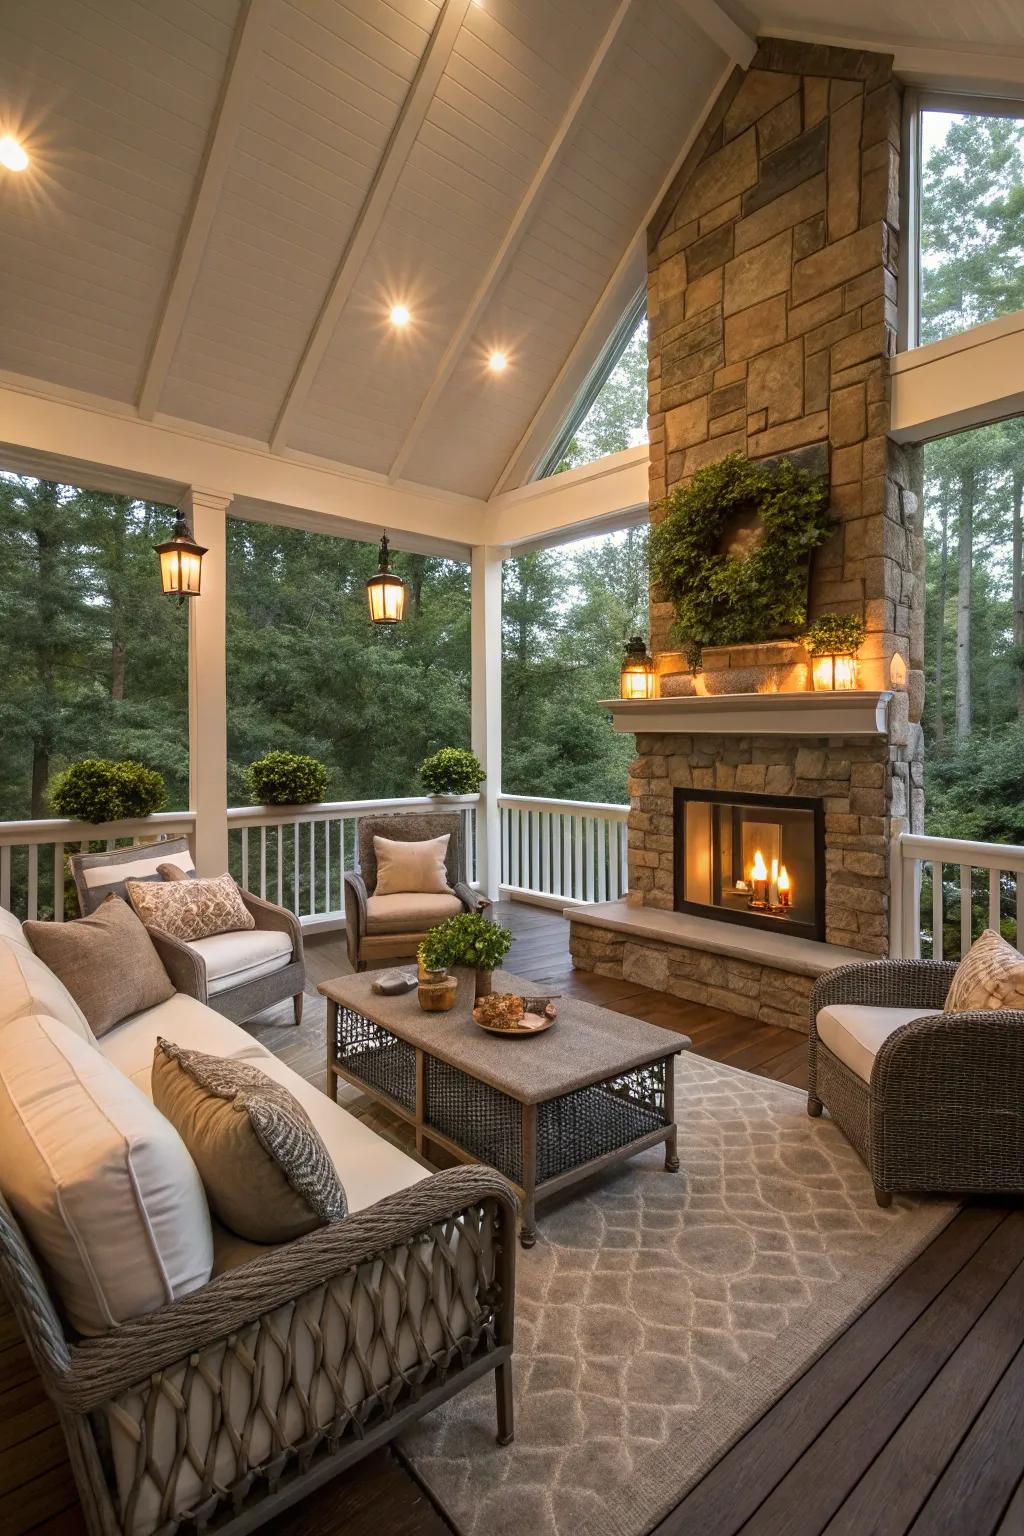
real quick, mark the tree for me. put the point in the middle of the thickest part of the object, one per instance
(617, 418)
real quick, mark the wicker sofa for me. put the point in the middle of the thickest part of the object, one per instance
(932, 1101)
(229, 1403)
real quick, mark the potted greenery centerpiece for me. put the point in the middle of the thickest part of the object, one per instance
(452, 772)
(832, 643)
(286, 778)
(466, 940)
(98, 790)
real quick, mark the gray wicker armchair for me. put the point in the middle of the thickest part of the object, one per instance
(373, 939)
(943, 1112)
(230, 1404)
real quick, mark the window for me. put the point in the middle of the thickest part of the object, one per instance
(971, 217)
(611, 411)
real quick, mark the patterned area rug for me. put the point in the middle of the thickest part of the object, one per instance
(660, 1314)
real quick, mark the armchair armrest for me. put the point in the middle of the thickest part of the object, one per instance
(268, 915)
(970, 1060)
(356, 896)
(117, 1361)
(885, 984)
(473, 901)
(183, 964)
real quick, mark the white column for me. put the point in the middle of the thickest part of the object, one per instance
(486, 707)
(207, 683)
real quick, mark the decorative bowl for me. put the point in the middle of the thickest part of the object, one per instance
(506, 1013)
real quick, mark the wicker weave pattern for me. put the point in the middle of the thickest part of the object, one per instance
(944, 1111)
(375, 1055)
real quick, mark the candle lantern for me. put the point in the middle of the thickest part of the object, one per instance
(835, 671)
(637, 678)
(832, 643)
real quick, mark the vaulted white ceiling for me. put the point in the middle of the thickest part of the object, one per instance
(227, 196)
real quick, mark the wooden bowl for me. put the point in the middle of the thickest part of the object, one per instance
(538, 1016)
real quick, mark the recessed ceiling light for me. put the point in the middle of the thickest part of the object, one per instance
(400, 315)
(12, 156)
(497, 362)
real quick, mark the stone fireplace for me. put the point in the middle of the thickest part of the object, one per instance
(772, 319)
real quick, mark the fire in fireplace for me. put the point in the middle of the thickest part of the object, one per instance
(751, 859)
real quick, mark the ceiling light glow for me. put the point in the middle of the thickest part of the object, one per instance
(400, 315)
(497, 362)
(12, 155)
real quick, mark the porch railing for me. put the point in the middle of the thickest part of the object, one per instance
(946, 890)
(558, 852)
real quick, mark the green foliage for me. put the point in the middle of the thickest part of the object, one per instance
(974, 790)
(452, 771)
(724, 598)
(834, 634)
(617, 418)
(286, 778)
(96, 790)
(468, 939)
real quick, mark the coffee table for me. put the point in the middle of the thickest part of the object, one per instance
(546, 1111)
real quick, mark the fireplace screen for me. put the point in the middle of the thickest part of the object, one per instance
(751, 859)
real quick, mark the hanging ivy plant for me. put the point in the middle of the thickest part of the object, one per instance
(727, 599)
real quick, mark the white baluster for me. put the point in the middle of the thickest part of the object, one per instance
(966, 913)
(263, 863)
(602, 829)
(937, 934)
(5, 877)
(245, 858)
(993, 899)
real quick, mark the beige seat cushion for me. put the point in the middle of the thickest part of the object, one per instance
(107, 962)
(235, 958)
(411, 866)
(409, 913)
(856, 1033)
(100, 1181)
(28, 986)
(991, 975)
(130, 1046)
(10, 929)
(190, 909)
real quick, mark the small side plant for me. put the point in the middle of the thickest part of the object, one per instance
(452, 771)
(286, 778)
(97, 789)
(834, 634)
(467, 939)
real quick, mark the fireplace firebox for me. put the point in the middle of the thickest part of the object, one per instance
(751, 859)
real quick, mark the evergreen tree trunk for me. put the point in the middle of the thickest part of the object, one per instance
(46, 629)
(965, 551)
(1018, 588)
(116, 588)
(940, 634)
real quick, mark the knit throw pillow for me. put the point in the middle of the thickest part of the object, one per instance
(267, 1174)
(991, 975)
(190, 909)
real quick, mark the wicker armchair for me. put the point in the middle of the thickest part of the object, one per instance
(231, 1403)
(367, 944)
(943, 1112)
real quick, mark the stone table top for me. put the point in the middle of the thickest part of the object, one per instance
(585, 1045)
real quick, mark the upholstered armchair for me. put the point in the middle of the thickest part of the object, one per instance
(380, 928)
(932, 1101)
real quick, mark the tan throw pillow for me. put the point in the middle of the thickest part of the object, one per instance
(268, 1175)
(411, 867)
(175, 872)
(991, 975)
(191, 909)
(106, 961)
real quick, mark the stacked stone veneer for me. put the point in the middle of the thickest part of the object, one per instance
(772, 308)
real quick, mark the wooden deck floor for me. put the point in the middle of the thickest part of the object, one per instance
(911, 1422)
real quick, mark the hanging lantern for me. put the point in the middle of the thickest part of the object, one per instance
(385, 592)
(637, 678)
(181, 562)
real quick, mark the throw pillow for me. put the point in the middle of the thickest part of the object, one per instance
(107, 962)
(991, 975)
(268, 1175)
(411, 867)
(191, 909)
(175, 872)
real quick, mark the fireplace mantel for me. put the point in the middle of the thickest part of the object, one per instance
(853, 713)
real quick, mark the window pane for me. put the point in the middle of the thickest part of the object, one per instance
(618, 417)
(972, 220)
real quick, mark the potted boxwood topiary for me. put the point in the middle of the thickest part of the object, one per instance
(466, 940)
(99, 790)
(286, 778)
(451, 772)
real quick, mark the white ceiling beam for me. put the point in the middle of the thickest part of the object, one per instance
(737, 45)
(399, 146)
(938, 64)
(596, 498)
(962, 381)
(502, 259)
(623, 283)
(250, 35)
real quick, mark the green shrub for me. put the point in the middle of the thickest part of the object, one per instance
(286, 778)
(452, 771)
(467, 939)
(834, 634)
(98, 790)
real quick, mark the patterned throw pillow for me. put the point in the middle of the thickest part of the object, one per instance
(191, 909)
(268, 1176)
(991, 975)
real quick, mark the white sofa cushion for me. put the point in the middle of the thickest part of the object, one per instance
(856, 1033)
(187, 1022)
(10, 929)
(101, 1182)
(28, 986)
(235, 958)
